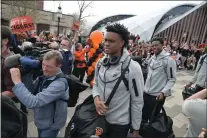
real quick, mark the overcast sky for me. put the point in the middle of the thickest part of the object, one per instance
(102, 9)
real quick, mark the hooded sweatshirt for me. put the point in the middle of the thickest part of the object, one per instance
(200, 76)
(161, 74)
(119, 108)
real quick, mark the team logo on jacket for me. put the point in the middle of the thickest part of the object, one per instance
(115, 75)
(99, 131)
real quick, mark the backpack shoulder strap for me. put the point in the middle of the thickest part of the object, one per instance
(37, 85)
(60, 75)
(125, 80)
(117, 84)
(48, 82)
(201, 62)
(126, 83)
(99, 65)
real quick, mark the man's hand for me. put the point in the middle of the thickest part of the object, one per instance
(100, 106)
(188, 85)
(8, 93)
(204, 131)
(15, 75)
(135, 134)
(160, 97)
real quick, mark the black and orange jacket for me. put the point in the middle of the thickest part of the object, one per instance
(80, 59)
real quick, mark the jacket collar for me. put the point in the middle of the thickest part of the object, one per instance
(163, 54)
(124, 55)
(53, 77)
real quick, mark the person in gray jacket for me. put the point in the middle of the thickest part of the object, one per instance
(129, 94)
(200, 76)
(160, 79)
(50, 108)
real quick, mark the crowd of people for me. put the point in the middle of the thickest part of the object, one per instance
(147, 81)
(185, 55)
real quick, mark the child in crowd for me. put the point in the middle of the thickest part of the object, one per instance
(79, 62)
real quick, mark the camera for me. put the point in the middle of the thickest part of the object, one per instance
(26, 62)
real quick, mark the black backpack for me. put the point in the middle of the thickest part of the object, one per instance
(187, 92)
(14, 121)
(160, 126)
(75, 87)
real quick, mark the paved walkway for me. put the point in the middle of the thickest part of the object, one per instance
(172, 105)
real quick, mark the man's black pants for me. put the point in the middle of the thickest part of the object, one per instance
(116, 131)
(149, 104)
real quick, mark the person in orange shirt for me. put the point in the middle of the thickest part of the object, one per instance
(79, 62)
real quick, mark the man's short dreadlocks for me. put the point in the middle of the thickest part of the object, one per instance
(121, 30)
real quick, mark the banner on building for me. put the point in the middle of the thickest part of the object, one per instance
(22, 24)
(76, 26)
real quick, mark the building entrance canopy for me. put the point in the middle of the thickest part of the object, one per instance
(146, 25)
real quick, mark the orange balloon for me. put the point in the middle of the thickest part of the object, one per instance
(93, 50)
(96, 46)
(90, 54)
(90, 70)
(94, 64)
(96, 37)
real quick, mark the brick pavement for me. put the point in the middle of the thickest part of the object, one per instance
(172, 105)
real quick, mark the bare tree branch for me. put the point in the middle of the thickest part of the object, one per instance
(79, 5)
(25, 8)
(15, 9)
(10, 6)
(86, 16)
(83, 5)
(86, 6)
(81, 10)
